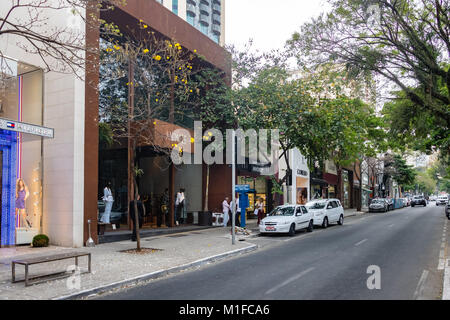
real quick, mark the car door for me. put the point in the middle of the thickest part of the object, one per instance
(298, 218)
(306, 217)
(335, 211)
(329, 211)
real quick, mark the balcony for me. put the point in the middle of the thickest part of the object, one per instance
(216, 29)
(216, 18)
(205, 9)
(216, 8)
(190, 8)
(204, 19)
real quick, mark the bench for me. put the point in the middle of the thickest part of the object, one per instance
(49, 258)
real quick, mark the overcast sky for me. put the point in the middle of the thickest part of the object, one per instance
(269, 23)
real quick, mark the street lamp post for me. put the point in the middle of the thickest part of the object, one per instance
(233, 186)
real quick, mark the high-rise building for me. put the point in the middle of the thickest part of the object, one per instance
(208, 16)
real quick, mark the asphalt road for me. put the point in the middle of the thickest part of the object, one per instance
(327, 264)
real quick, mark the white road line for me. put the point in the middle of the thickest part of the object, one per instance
(420, 285)
(301, 274)
(361, 242)
(446, 289)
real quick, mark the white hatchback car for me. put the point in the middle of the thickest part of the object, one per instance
(326, 211)
(287, 219)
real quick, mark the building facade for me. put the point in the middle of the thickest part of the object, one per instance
(208, 16)
(49, 130)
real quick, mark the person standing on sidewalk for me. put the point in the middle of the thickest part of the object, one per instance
(141, 214)
(260, 207)
(225, 210)
(109, 200)
(238, 211)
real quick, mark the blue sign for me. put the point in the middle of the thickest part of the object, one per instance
(242, 188)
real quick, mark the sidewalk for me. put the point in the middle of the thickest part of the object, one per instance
(112, 268)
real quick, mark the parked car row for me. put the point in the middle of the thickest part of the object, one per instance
(291, 218)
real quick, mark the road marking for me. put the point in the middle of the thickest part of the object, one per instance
(361, 242)
(301, 274)
(446, 289)
(420, 285)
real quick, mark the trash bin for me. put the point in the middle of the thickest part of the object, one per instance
(204, 218)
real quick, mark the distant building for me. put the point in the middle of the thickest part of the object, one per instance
(208, 16)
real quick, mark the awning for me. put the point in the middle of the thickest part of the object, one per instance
(320, 182)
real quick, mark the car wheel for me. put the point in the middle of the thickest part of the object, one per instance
(325, 223)
(292, 230)
(412, 205)
(310, 226)
(341, 220)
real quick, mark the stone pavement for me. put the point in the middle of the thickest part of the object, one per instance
(112, 268)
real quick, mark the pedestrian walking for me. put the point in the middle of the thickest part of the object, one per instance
(260, 207)
(109, 200)
(225, 210)
(141, 214)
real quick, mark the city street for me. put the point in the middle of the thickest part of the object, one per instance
(326, 264)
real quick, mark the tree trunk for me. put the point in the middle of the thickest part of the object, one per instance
(339, 184)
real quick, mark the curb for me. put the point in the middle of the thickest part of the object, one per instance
(157, 274)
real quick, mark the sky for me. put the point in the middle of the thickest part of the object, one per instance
(269, 23)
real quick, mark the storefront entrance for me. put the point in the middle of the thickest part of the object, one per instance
(8, 142)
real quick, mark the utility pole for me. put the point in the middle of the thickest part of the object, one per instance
(233, 186)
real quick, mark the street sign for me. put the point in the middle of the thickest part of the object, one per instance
(242, 188)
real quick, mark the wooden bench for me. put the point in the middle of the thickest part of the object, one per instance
(49, 258)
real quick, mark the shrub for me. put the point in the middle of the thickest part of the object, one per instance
(40, 240)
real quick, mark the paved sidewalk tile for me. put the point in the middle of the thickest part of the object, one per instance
(109, 265)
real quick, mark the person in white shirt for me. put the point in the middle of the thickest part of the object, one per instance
(179, 206)
(108, 199)
(226, 210)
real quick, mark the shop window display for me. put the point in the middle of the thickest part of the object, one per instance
(20, 153)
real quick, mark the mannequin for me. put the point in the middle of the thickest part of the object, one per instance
(22, 195)
(108, 198)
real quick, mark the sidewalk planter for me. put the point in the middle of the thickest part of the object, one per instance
(205, 218)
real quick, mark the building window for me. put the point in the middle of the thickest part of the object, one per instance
(175, 6)
(190, 18)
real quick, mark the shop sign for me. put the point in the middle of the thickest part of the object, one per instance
(242, 188)
(26, 128)
(302, 173)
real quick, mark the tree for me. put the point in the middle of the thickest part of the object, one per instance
(60, 48)
(395, 167)
(402, 41)
(320, 113)
(156, 80)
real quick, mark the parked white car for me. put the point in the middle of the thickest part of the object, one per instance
(287, 219)
(442, 200)
(326, 211)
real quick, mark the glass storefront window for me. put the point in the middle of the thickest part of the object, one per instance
(21, 155)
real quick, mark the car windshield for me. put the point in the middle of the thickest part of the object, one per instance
(377, 201)
(417, 198)
(282, 211)
(316, 205)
